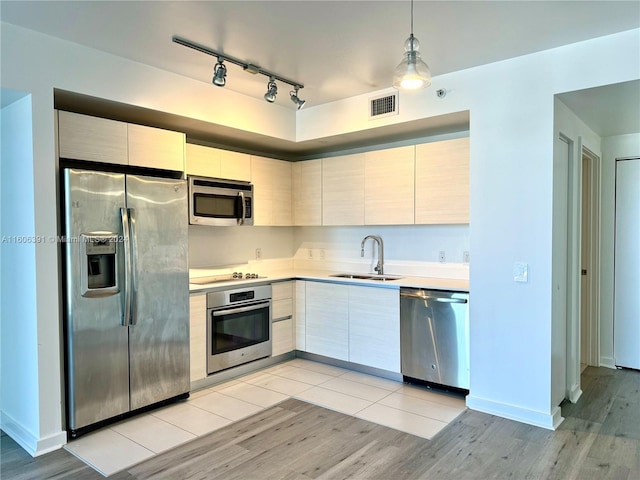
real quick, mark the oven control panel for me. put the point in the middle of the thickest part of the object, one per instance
(224, 298)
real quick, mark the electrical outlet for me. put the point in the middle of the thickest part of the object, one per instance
(258, 253)
(441, 258)
(310, 253)
(465, 256)
(321, 253)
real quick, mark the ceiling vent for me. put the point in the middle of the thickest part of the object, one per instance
(383, 106)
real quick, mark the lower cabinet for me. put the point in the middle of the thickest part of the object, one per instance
(300, 315)
(282, 327)
(198, 335)
(327, 320)
(374, 327)
(352, 323)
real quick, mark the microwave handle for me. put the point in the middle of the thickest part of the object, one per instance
(244, 208)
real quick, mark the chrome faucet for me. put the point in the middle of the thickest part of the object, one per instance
(376, 238)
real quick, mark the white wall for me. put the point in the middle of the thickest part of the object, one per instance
(511, 105)
(18, 325)
(612, 147)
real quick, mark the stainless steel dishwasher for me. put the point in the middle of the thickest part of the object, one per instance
(434, 336)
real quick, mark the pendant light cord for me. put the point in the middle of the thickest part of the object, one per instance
(412, 18)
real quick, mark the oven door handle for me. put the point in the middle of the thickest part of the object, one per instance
(230, 311)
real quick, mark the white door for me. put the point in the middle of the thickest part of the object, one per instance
(626, 326)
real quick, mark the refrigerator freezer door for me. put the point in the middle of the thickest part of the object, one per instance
(97, 355)
(626, 328)
(159, 331)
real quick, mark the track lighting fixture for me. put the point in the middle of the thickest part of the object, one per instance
(412, 73)
(272, 91)
(220, 72)
(295, 99)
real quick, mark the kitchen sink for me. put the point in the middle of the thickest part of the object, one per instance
(364, 276)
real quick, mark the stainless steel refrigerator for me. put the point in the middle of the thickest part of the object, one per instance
(626, 327)
(126, 294)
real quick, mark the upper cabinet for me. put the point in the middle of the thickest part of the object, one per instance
(155, 148)
(343, 190)
(271, 191)
(307, 192)
(83, 137)
(217, 163)
(389, 186)
(442, 182)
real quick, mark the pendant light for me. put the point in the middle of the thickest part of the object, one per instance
(412, 73)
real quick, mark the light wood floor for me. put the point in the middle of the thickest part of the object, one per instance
(599, 439)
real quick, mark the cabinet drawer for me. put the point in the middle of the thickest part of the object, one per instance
(282, 333)
(281, 308)
(281, 290)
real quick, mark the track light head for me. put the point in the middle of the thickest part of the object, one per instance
(272, 91)
(295, 99)
(219, 74)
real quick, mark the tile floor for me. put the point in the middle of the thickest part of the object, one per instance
(408, 408)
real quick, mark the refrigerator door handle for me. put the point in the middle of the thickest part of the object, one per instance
(133, 245)
(126, 317)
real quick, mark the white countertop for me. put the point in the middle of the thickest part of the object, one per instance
(459, 285)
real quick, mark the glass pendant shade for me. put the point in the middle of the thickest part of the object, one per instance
(412, 73)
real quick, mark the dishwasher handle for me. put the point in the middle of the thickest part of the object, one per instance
(434, 297)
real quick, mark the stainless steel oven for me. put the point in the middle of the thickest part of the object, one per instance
(238, 326)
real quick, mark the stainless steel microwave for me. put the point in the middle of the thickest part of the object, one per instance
(215, 201)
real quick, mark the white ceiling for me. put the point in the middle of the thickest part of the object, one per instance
(337, 49)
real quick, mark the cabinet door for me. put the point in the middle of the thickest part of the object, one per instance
(202, 161)
(374, 327)
(155, 148)
(271, 191)
(235, 166)
(327, 320)
(82, 137)
(300, 315)
(343, 190)
(307, 192)
(282, 211)
(198, 335)
(282, 300)
(442, 182)
(262, 180)
(389, 186)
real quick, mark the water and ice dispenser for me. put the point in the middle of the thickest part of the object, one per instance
(99, 264)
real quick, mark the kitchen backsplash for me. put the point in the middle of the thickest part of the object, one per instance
(406, 248)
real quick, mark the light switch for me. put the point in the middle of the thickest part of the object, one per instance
(520, 272)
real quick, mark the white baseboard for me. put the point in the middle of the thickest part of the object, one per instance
(607, 362)
(33, 445)
(550, 421)
(575, 393)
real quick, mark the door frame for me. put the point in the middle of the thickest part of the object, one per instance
(591, 334)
